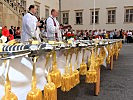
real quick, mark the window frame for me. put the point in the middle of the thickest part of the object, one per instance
(92, 15)
(78, 11)
(111, 16)
(125, 14)
(37, 4)
(47, 8)
(66, 17)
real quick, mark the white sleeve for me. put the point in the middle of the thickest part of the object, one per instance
(50, 26)
(31, 26)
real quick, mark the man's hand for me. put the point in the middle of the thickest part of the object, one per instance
(34, 38)
(38, 24)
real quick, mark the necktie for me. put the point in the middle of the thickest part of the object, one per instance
(56, 36)
(54, 21)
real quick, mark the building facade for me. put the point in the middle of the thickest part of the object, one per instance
(109, 14)
(44, 6)
(12, 11)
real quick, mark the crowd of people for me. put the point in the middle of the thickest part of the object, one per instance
(16, 32)
(68, 32)
(100, 34)
(10, 34)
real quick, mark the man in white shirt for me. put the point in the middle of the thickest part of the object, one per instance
(30, 24)
(129, 36)
(53, 27)
(96, 33)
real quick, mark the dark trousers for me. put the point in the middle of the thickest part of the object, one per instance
(129, 39)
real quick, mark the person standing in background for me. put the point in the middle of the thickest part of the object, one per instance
(11, 30)
(96, 34)
(6, 33)
(90, 34)
(42, 24)
(18, 33)
(124, 35)
(100, 33)
(86, 35)
(107, 35)
(111, 34)
(121, 34)
(29, 25)
(115, 34)
(53, 27)
(14, 32)
(129, 36)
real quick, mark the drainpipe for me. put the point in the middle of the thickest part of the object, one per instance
(59, 11)
(94, 15)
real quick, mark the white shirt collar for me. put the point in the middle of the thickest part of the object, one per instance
(53, 17)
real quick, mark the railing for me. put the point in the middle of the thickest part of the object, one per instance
(19, 6)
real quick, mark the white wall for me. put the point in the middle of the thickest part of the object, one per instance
(86, 5)
(50, 3)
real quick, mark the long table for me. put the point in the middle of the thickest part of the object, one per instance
(20, 72)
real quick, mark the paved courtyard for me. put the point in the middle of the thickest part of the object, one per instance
(115, 85)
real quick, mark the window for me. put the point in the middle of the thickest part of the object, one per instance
(79, 18)
(46, 13)
(25, 4)
(96, 17)
(129, 15)
(38, 11)
(65, 17)
(111, 16)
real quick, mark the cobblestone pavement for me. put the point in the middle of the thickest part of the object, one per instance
(115, 85)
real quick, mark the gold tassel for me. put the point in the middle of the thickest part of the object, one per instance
(98, 58)
(55, 74)
(120, 44)
(109, 54)
(34, 94)
(76, 72)
(50, 90)
(116, 50)
(65, 83)
(8, 94)
(101, 56)
(91, 75)
(77, 80)
(72, 75)
(66, 78)
(83, 66)
(113, 49)
(56, 78)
